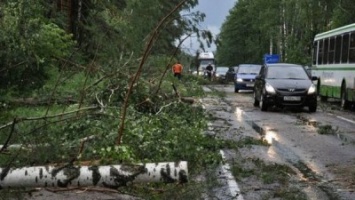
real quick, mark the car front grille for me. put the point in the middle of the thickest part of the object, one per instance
(292, 90)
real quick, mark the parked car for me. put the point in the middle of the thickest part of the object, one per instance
(231, 73)
(220, 73)
(285, 84)
(245, 76)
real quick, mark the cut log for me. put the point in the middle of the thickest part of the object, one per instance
(113, 176)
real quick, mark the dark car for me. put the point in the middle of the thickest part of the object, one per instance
(245, 76)
(231, 73)
(220, 73)
(285, 84)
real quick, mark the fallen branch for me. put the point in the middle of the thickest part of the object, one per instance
(40, 102)
(3, 147)
(47, 117)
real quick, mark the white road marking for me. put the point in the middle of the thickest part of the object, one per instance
(232, 184)
(345, 119)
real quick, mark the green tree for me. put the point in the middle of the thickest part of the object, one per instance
(30, 44)
(285, 27)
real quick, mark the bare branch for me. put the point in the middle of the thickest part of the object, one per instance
(137, 75)
(9, 137)
(48, 117)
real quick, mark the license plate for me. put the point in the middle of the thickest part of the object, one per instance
(292, 98)
(250, 85)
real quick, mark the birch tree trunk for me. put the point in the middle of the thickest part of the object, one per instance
(105, 176)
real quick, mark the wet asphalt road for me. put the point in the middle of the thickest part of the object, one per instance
(324, 163)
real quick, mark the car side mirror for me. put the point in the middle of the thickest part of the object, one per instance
(314, 78)
(257, 77)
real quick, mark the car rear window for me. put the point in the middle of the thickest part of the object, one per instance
(249, 69)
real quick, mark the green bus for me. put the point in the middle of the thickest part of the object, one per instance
(334, 64)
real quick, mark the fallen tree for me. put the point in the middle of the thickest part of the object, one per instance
(113, 176)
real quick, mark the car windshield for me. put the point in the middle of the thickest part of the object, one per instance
(286, 72)
(206, 61)
(222, 69)
(249, 69)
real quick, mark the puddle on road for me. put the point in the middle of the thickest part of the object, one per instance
(321, 188)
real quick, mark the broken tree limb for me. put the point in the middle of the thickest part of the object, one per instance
(40, 102)
(113, 176)
(49, 116)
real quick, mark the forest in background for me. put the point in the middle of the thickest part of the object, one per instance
(285, 27)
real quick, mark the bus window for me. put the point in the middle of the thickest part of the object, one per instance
(352, 48)
(320, 52)
(337, 49)
(345, 52)
(331, 52)
(326, 50)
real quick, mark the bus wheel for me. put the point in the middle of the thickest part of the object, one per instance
(344, 101)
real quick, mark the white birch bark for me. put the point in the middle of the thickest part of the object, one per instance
(105, 176)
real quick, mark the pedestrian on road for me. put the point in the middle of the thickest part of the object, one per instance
(209, 70)
(177, 70)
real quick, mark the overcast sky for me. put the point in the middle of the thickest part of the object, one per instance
(216, 12)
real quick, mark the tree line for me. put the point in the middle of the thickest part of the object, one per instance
(285, 27)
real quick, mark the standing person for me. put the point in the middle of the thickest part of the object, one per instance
(177, 70)
(209, 70)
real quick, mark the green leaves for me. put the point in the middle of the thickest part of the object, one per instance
(52, 42)
(30, 43)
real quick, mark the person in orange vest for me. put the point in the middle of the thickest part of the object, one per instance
(177, 70)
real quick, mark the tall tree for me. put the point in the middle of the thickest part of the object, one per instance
(287, 26)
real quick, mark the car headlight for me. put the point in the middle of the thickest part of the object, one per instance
(218, 75)
(239, 80)
(312, 89)
(269, 89)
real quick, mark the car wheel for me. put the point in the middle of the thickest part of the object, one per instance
(256, 102)
(312, 107)
(323, 98)
(263, 104)
(236, 90)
